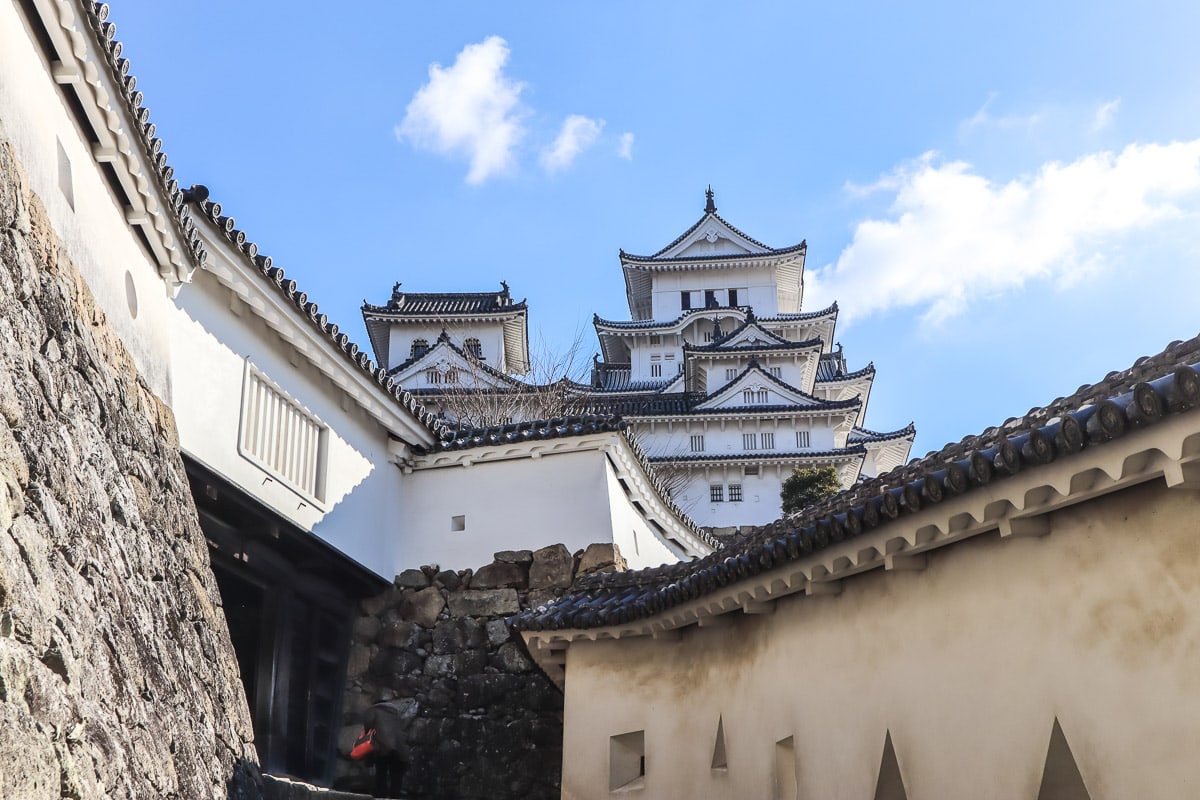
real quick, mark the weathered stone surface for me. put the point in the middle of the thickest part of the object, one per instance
(117, 675)
(484, 603)
(422, 607)
(501, 574)
(552, 568)
(487, 722)
(400, 633)
(412, 579)
(448, 579)
(601, 556)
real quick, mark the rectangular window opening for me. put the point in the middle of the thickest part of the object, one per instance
(458, 523)
(735, 493)
(802, 439)
(626, 761)
(65, 183)
(685, 301)
(768, 441)
(749, 441)
(282, 437)
(786, 787)
(697, 442)
(716, 493)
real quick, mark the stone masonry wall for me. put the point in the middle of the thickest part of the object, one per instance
(479, 719)
(117, 676)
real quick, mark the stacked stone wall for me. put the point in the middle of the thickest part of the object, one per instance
(117, 676)
(478, 719)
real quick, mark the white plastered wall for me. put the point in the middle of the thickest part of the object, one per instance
(967, 664)
(363, 492)
(98, 240)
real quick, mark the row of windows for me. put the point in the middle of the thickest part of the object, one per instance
(710, 298)
(755, 397)
(752, 441)
(434, 375)
(733, 372)
(471, 347)
(656, 364)
(717, 493)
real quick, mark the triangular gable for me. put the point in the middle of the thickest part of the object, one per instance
(763, 389)
(752, 333)
(445, 357)
(890, 785)
(712, 236)
(1061, 779)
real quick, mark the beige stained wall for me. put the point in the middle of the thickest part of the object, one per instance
(967, 663)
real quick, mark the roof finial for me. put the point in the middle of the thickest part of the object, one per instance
(710, 207)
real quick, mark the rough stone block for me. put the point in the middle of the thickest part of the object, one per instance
(400, 633)
(412, 579)
(501, 574)
(422, 607)
(484, 603)
(448, 579)
(600, 555)
(515, 556)
(497, 632)
(448, 637)
(552, 567)
(512, 658)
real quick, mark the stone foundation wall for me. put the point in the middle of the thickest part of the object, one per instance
(117, 677)
(478, 719)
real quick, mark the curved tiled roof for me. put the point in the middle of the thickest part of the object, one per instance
(438, 303)
(308, 310)
(796, 248)
(710, 212)
(778, 344)
(562, 427)
(649, 324)
(790, 455)
(144, 129)
(1165, 384)
(827, 374)
(866, 435)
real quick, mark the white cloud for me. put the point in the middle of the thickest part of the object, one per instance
(953, 237)
(1104, 115)
(625, 148)
(470, 108)
(984, 118)
(578, 133)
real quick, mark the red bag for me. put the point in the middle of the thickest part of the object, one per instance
(364, 745)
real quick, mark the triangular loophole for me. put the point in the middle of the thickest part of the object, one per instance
(719, 761)
(1061, 779)
(890, 785)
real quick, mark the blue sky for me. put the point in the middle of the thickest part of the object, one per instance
(1003, 201)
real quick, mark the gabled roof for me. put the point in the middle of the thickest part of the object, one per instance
(1095, 416)
(439, 304)
(710, 228)
(445, 348)
(864, 435)
(754, 372)
(306, 309)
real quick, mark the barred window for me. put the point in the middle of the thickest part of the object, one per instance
(749, 441)
(754, 396)
(697, 442)
(776, 372)
(802, 439)
(433, 376)
(716, 493)
(768, 441)
(735, 493)
(730, 373)
(281, 436)
(472, 347)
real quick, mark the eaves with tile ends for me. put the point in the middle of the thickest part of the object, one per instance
(1148, 410)
(308, 312)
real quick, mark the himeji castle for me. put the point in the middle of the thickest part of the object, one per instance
(728, 384)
